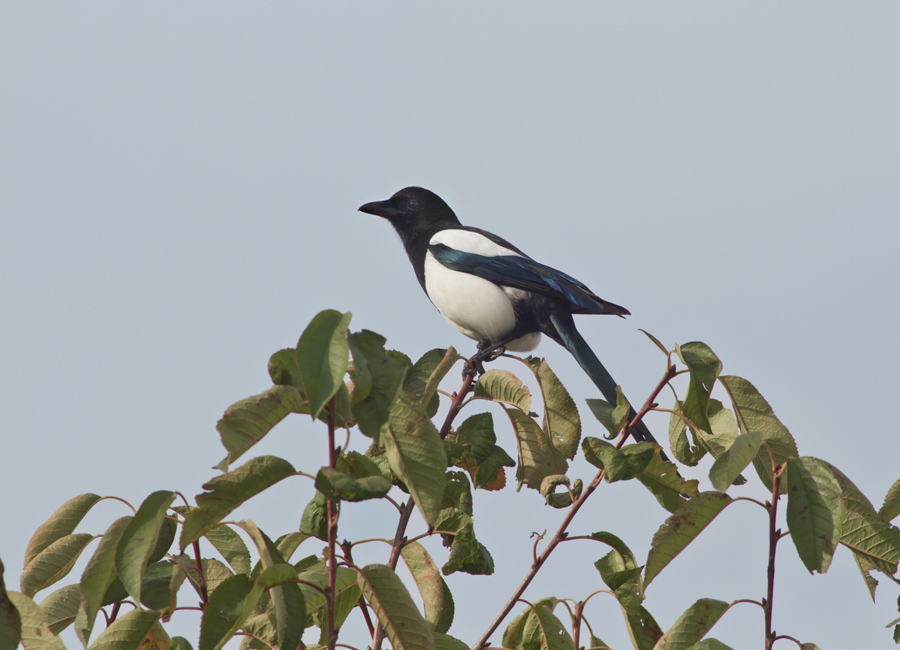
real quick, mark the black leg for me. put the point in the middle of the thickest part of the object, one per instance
(486, 352)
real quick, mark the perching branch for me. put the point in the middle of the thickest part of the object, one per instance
(774, 536)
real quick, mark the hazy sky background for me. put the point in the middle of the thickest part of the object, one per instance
(178, 191)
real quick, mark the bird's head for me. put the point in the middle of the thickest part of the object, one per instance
(412, 211)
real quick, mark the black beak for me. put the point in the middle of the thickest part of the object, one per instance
(380, 209)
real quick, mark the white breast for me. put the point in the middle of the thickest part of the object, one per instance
(476, 307)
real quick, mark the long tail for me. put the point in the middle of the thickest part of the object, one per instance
(591, 365)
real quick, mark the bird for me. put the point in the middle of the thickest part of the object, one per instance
(491, 291)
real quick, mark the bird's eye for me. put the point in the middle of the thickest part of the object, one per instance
(412, 205)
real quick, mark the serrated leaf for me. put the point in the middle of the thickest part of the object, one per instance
(434, 591)
(228, 491)
(338, 486)
(227, 542)
(642, 627)
(127, 632)
(403, 624)
(891, 506)
(357, 465)
(416, 455)
(863, 531)
(53, 563)
(503, 387)
(248, 421)
(704, 367)
(681, 529)
(139, 539)
(729, 465)
(814, 511)
(59, 524)
(97, 577)
(35, 633)
(378, 376)
(561, 420)
(693, 625)
(60, 607)
(753, 413)
(323, 356)
(537, 455)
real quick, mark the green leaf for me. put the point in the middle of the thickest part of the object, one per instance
(753, 413)
(35, 632)
(357, 465)
(614, 418)
(560, 499)
(228, 491)
(863, 531)
(713, 644)
(139, 539)
(447, 642)
(61, 523)
(404, 625)
(61, 606)
(662, 479)
(377, 375)
(642, 627)
(323, 357)
(127, 632)
(681, 529)
(227, 542)
(891, 506)
(503, 387)
(222, 614)
(656, 341)
(537, 455)
(693, 625)
(815, 511)
(337, 486)
(97, 577)
(161, 583)
(248, 421)
(426, 374)
(53, 563)
(618, 464)
(434, 591)
(728, 466)
(561, 420)
(416, 455)
(467, 554)
(704, 367)
(10, 621)
(287, 599)
(543, 631)
(314, 521)
(476, 436)
(289, 543)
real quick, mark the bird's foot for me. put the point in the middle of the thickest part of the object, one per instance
(486, 352)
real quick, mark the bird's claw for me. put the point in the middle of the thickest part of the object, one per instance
(486, 352)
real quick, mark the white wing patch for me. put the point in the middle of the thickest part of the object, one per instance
(470, 242)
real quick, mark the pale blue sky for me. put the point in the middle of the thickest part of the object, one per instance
(178, 190)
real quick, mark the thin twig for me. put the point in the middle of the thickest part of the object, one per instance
(774, 536)
(331, 511)
(201, 580)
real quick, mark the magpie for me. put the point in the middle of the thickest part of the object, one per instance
(490, 290)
